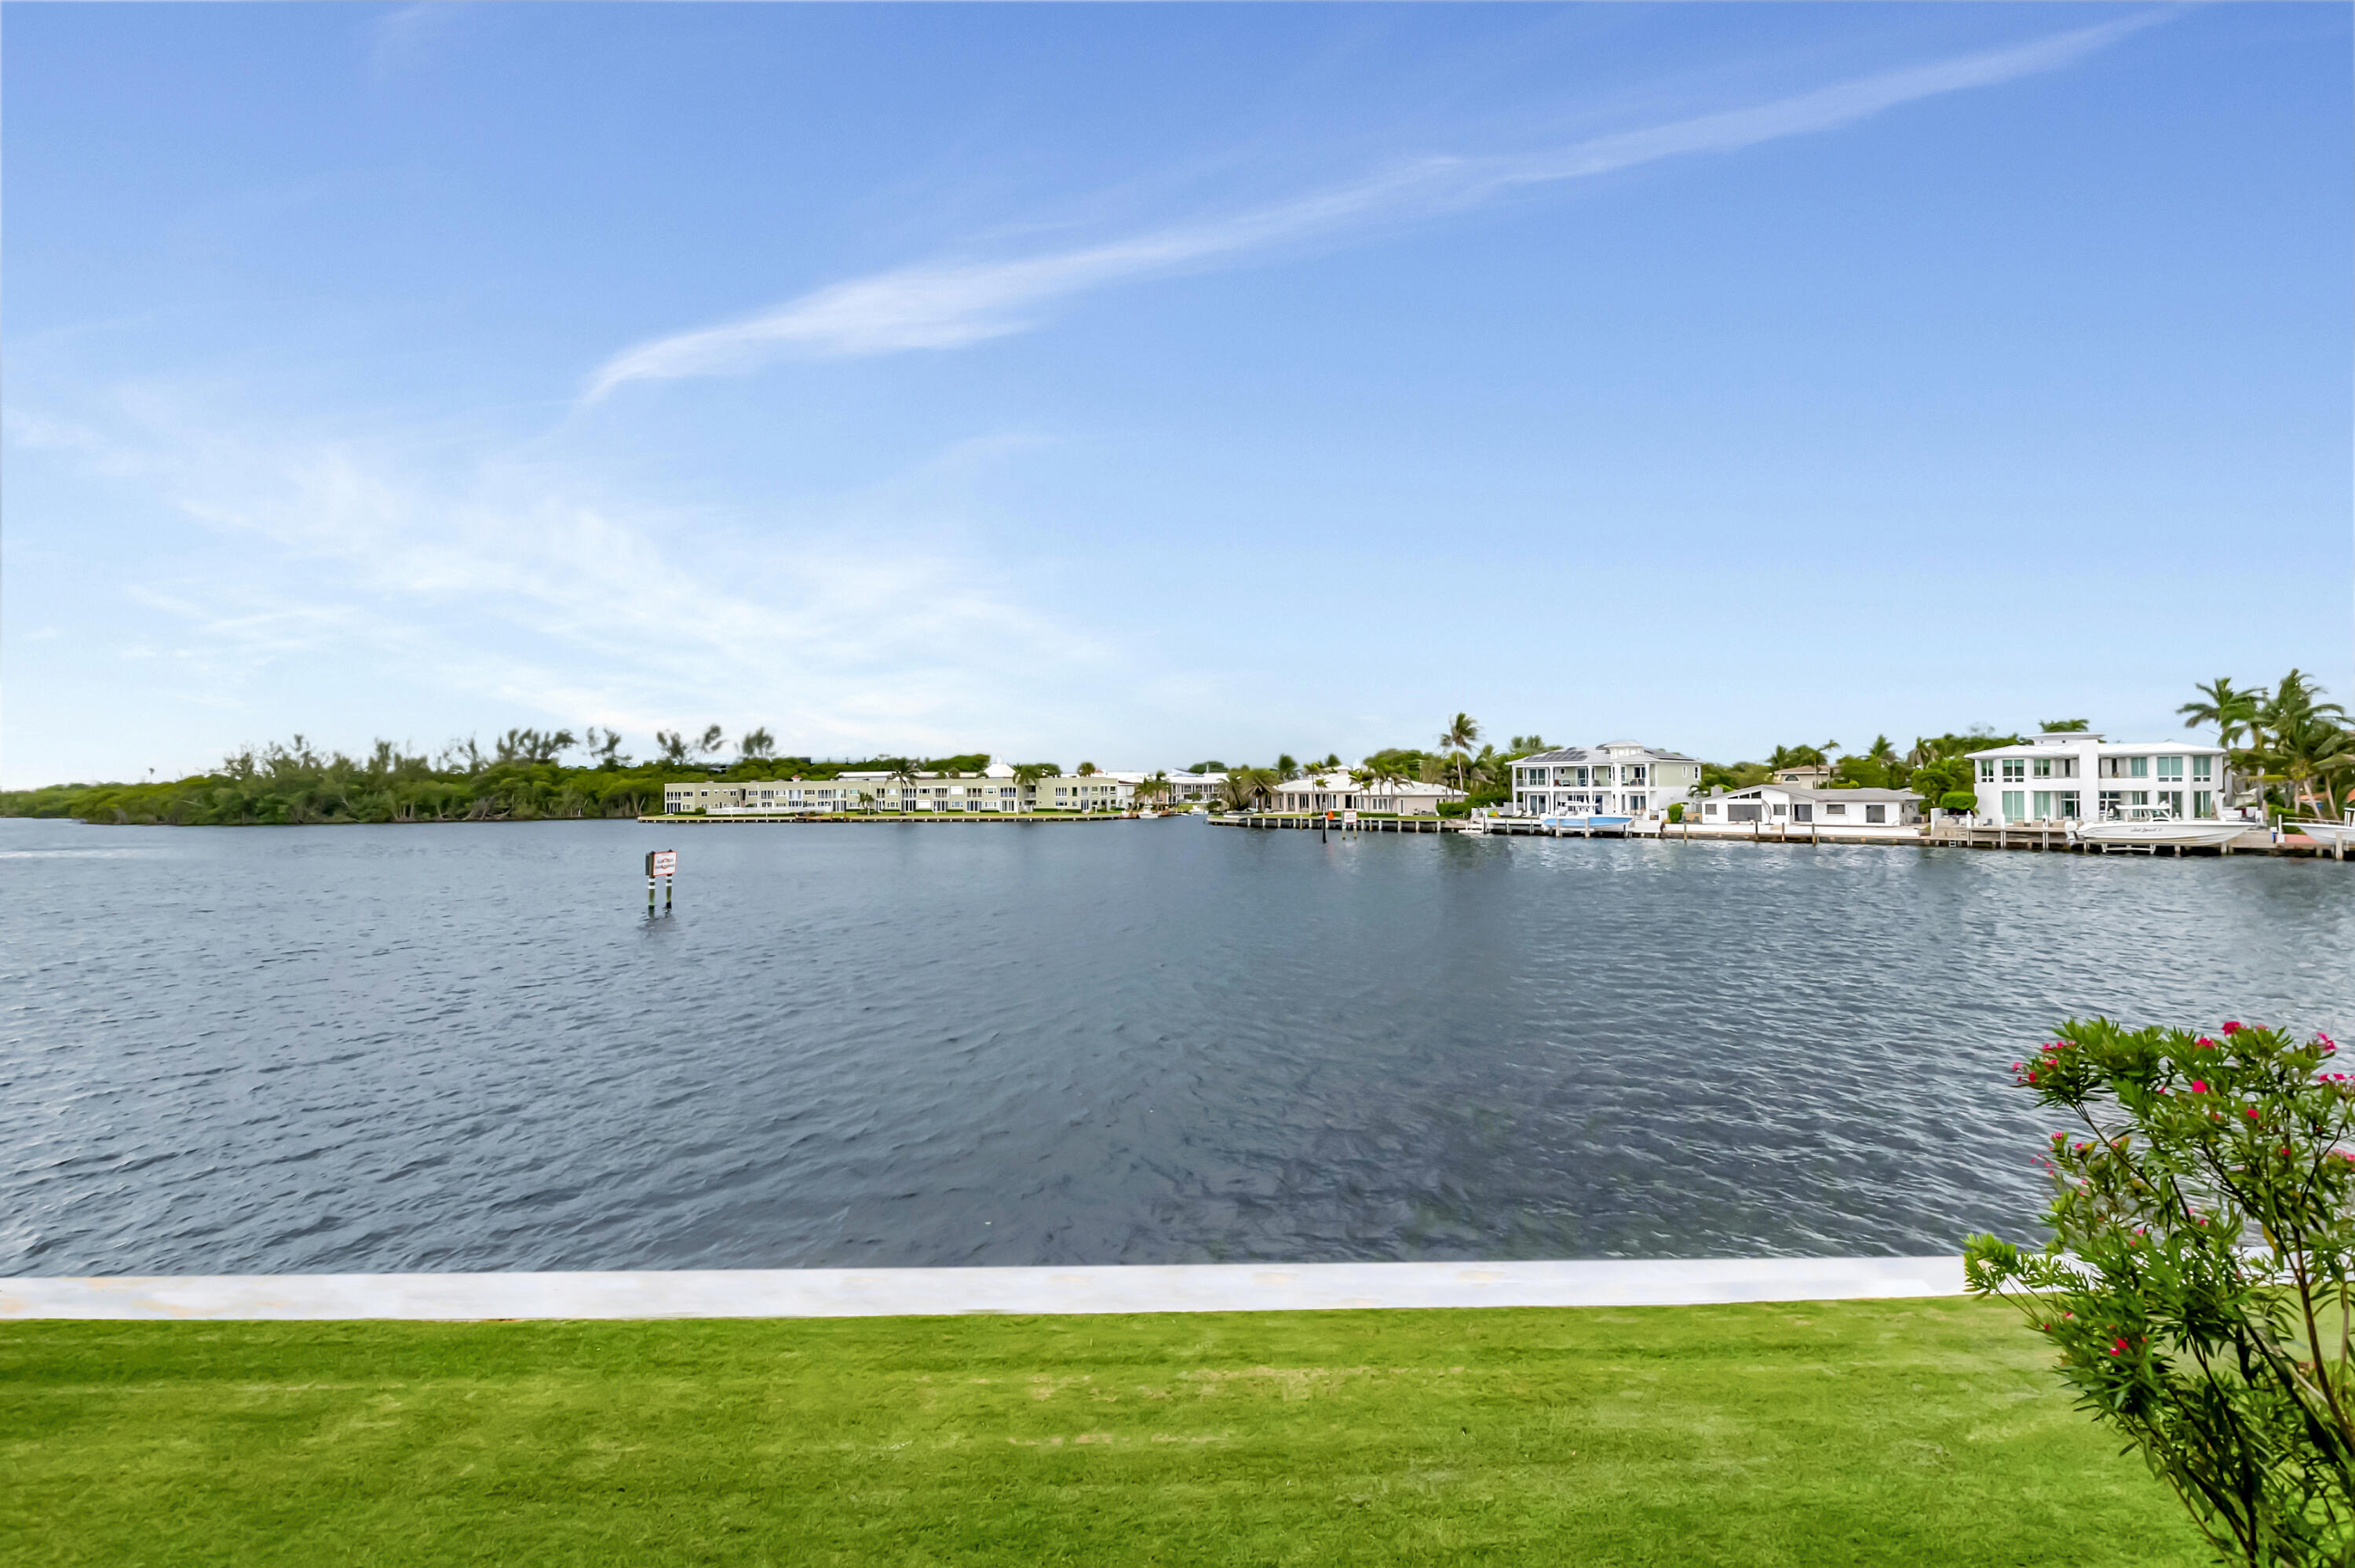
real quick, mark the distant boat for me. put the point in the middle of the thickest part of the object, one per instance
(2340, 834)
(2161, 831)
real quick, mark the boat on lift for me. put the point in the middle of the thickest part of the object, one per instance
(1587, 823)
(2331, 835)
(2160, 830)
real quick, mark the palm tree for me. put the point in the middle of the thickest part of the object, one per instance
(2297, 740)
(1456, 741)
(2228, 707)
(1026, 780)
(1244, 788)
(756, 744)
(711, 740)
(903, 774)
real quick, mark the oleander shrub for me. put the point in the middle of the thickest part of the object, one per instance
(2195, 1287)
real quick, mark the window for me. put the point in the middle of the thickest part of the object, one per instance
(1987, 770)
(1779, 810)
(1631, 775)
(2043, 805)
(2044, 767)
(1709, 810)
(2014, 768)
(1876, 814)
(2137, 797)
(2138, 767)
(2067, 802)
(1741, 812)
(2172, 799)
(1837, 810)
(2203, 802)
(1801, 811)
(2202, 770)
(2171, 768)
(2015, 805)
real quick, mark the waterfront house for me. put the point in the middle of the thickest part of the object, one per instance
(1619, 778)
(2075, 776)
(1893, 814)
(1339, 792)
(1809, 775)
(1195, 788)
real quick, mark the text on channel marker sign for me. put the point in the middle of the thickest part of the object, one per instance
(661, 863)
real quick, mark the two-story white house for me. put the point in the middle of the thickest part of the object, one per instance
(2076, 776)
(1619, 778)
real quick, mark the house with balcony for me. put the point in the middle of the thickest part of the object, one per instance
(2077, 775)
(1619, 778)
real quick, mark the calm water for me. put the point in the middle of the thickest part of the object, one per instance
(464, 1047)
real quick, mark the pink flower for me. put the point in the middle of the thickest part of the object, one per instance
(2249, 1111)
(2205, 1044)
(2234, 1027)
(2199, 1086)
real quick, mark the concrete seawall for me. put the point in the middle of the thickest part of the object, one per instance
(918, 1292)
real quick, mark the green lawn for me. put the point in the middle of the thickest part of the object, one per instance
(1915, 1433)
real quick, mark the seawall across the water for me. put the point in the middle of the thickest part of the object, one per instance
(928, 1292)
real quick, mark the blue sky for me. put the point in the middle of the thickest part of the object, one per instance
(1145, 384)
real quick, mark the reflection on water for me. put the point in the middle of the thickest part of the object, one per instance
(464, 1047)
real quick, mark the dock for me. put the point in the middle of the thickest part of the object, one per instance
(2044, 838)
(685, 820)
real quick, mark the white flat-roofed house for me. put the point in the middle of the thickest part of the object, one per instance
(1893, 814)
(1339, 792)
(2075, 776)
(1618, 778)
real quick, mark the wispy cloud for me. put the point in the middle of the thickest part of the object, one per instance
(512, 581)
(948, 305)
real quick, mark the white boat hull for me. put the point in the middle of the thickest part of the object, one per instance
(2324, 832)
(2180, 835)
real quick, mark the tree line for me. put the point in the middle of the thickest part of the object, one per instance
(2294, 747)
(519, 777)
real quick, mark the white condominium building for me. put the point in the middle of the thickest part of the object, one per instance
(995, 788)
(1619, 778)
(2077, 775)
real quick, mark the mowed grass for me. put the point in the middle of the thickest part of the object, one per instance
(1915, 1433)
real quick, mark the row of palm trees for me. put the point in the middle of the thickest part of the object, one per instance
(2296, 749)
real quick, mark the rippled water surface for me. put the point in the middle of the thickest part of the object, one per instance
(464, 1047)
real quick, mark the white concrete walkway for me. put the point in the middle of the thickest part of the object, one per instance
(903, 1292)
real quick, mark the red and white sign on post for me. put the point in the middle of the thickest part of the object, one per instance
(662, 864)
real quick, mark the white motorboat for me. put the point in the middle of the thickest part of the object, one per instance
(2162, 833)
(1585, 822)
(2338, 835)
